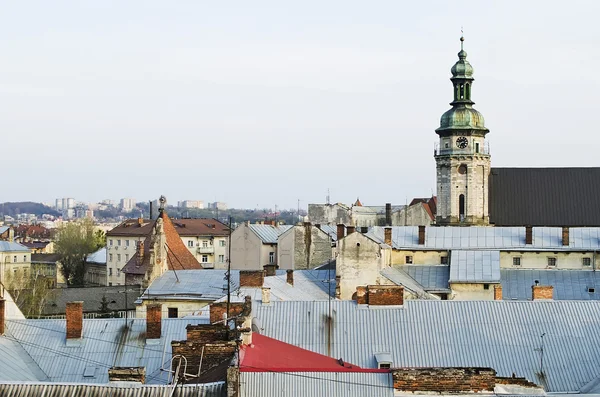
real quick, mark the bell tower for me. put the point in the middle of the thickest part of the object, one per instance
(462, 157)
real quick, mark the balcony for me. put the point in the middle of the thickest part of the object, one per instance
(468, 151)
(206, 250)
(207, 265)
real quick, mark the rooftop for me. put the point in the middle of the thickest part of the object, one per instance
(9, 246)
(184, 227)
(268, 234)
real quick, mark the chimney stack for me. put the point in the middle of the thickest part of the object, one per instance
(252, 278)
(140, 221)
(127, 374)
(350, 229)
(387, 232)
(541, 292)
(341, 231)
(380, 295)
(74, 314)
(270, 269)
(153, 321)
(565, 236)
(2, 315)
(140, 252)
(528, 235)
(151, 212)
(364, 229)
(497, 292)
(290, 277)
(11, 234)
(388, 214)
(421, 235)
(266, 295)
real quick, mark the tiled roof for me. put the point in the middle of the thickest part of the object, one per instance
(268, 233)
(8, 246)
(504, 335)
(184, 227)
(475, 266)
(544, 196)
(178, 256)
(105, 343)
(489, 237)
(568, 284)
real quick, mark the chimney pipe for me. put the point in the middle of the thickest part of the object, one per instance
(350, 229)
(2, 314)
(387, 233)
(74, 314)
(341, 231)
(388, 214)
(290, 277)
(151, 211)
(140, 253)
(270, 269)
(421, 235)
(528, 235)
(153, 321)
(565, 236)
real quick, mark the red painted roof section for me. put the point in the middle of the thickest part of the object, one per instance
(271, 355)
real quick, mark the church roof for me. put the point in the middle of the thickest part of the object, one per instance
(544, 196)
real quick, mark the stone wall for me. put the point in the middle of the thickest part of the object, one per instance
(444, 380)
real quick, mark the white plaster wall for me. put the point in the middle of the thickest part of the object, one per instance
(471, 292)
(419, 257)
(246, 249)
(539, 260)
(185, 308)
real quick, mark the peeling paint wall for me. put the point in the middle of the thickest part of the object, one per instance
(304, 247)
(329, 214)
(539, 260)
(471, 292)
(418, 257)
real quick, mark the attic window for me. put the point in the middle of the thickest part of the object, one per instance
(591, 290)
(551, 262)
(89, 372)
(385, 366)
(409, 259)
(444, 260)
(586, 261)
(384, 360)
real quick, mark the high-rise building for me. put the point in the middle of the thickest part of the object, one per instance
(127, 204)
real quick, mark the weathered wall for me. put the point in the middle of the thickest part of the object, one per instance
(471, 292)
(444, 380)
(184, 308)
(414, 215)
(419, 257)
(328, 214)
(303, 247)
(245, 249)
(539, 260)
(359, 262)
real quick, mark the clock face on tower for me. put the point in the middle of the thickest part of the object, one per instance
(462, 142)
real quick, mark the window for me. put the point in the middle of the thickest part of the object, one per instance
(127, 243)
(446, 145)
(551, 262)
(110, 271)
(476, 147)
(587, 261)
(118, 273)
(591, 290)
(119, 243)
(126, 257)
(271, 257)
(517, 261)
(221, 258)
(110, 242)
(222, 243)
(409, 259)
(191, 243)
(24, 258)
(118, 257)
(204, 244)
(444, 260)
(486, 286)
(110, 257)
(384, 366)
(15, 259)
(173, 312)
(204, 258)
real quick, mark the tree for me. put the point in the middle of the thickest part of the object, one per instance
(105, 311)
(74, 242)
(29, 293)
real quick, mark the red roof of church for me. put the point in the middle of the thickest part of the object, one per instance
(358, 203)
(271, 355)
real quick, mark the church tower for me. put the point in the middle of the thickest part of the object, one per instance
(462, 157)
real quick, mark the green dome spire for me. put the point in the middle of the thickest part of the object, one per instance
(462, 116)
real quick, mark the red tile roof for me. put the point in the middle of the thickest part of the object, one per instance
(271, 355)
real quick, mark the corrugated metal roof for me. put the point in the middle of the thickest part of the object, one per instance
(489, 237)
(568, 284)
(216, 389)
(475, 266)
(504, 335)
(330, 230)
(98, 256)
(269, 233)
(105, 343)
(431, 277)
(9, 246)
(309, 384)
(207, 284)
(16, 364)
(400, 277)
(544, 196)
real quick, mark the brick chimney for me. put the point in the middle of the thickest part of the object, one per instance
(141, 221)
(421, 235)
(270, 269)
(387, 235)
(2, 314)
(127, 374)
(541, 292)
(350, 229)
(140, 252)
(11, 234)
(252, 278)
(290, 277)
(153, 321)
(497, 292)
(565, 236)
(388, 214)
(528, 235)
(74, 320)
(341, 231)
(266, 295)
(380, 295)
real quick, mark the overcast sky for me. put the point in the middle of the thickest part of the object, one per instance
(260, 103)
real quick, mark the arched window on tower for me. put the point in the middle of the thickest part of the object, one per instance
(462, 91)
(468, 91)
(461, 207)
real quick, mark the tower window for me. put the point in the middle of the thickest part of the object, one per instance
(476, 147)
(461, 206)
(462, 169)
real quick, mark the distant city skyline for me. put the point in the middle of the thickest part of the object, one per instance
(264, 104)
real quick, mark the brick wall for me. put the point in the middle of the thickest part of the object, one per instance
(498, 292)
(252, 278)
(153, 321)
(361, 295)
(206, 333)
(213, 354)
(217, 310)
(380, 295)
(127, 374)
(515, 381)
(540, 292)
(74, 314)
(444, 380)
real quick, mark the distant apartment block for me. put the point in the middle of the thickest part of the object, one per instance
(219, 205)
(191, 204)
(62, 204)
(127, 204)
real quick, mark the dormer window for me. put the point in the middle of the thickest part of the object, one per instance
(384, 360)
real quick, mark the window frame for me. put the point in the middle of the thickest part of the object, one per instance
(554, 261)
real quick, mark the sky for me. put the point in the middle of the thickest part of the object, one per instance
(264, 103)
